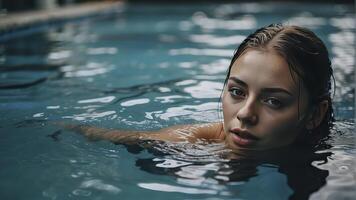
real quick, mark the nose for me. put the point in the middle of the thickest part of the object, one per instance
(248, 113)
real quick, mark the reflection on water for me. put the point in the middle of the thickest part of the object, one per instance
(202, 52)
(149, 67)
(171, 188)
(218, 41)
(205, 167)
(245, 22)
(91, 69)
(307, 19)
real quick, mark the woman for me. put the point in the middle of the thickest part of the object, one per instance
(276, 93)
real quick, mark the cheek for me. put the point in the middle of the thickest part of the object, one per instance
(227, 107)
(282, 128)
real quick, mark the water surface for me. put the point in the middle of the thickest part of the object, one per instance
(145, 68)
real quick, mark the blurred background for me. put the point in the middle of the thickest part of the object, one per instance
(24, 5)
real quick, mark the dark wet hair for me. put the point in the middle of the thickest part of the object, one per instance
(307, 58)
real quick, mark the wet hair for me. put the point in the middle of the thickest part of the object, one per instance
(307, 58)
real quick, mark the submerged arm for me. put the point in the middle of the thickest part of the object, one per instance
(190, 133)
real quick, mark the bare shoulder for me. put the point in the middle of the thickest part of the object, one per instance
(210, 131)
(192, 132)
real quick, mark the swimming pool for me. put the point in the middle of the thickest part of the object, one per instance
(148, 67)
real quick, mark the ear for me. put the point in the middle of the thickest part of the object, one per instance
(318, 115)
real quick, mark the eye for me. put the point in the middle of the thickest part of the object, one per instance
(273, 102)
(236, 92)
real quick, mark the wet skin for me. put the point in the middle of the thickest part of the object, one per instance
(263, 106)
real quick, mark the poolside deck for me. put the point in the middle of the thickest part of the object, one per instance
(14, 21)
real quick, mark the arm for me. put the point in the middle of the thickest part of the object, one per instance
(180, 133)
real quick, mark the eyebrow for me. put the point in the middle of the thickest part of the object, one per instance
(267, 90)
(236, 80)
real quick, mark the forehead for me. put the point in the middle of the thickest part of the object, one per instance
(264, 68)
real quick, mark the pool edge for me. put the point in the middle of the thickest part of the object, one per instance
(19, 21)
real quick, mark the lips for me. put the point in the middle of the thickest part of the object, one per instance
(243, 137)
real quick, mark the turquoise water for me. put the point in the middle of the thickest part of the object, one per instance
(147, 67)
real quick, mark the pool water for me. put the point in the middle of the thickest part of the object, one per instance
(146, 67)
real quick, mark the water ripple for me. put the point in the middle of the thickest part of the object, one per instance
(205, 89)
(101, 50)
(107, 99)
(99, 185)
(92, 116)
(135, 102)
(170, 99)
(202, 52)
(347, 22)
(91, 69)
(206, 112)
(59, 55)
(244, 22)
(171, 188)
(217, 41)
(306, 19)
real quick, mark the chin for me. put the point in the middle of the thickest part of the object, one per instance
(234, 147)
(255, 148)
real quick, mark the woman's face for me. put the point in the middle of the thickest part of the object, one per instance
(263, 106)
